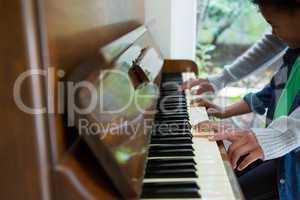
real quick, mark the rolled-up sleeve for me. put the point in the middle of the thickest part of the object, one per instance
(264, 53)
(258, 102)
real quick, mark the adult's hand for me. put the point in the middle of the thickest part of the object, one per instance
(203, 86)
(212, 109)
(243, 143)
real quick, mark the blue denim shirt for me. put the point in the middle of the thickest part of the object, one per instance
(288, 166)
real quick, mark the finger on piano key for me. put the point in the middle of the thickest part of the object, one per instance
(214, 181)
(205, 165)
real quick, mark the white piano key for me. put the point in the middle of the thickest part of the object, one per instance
(212, 178)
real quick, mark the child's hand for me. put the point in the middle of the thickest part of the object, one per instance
(212, 109)
(243, 143)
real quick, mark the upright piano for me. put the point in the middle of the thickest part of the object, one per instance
(121, 131)
(139, 126)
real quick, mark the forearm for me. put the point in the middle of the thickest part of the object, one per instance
(264, 53)
(281, 137)
(239, 108)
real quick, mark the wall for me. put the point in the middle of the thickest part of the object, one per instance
(158, 18)
(183, 29)
(173, 26)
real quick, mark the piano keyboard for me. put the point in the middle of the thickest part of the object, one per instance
(180, 165)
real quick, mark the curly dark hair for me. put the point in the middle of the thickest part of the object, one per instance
(286, 4)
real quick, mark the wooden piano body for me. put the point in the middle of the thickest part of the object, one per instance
(44, 158)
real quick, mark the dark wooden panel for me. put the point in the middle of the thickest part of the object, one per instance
(67, 31)
(73, 31)
(175, 66)
(24, 164)
(76, 29)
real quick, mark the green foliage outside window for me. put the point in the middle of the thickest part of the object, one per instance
(227, 28)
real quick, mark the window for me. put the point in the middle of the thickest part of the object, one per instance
(226, 29)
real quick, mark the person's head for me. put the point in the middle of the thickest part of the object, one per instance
(284, 17)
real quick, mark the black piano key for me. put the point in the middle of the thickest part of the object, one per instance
(172, 133)
(176, 98)
(171, 194)
(170, 88)
(181, 166)
(168, 132)
(177, 173)
(171, 167)
(176, 77)
(171, 130)
(167, 97)
(171, 190)
(171, 110)
(174, 81)
(171, 79)
(173, 104)
(175, 112)
(164, 108)
(172, 120)
(164, 123)
(170, 83)
(169, 113)
(171, 147)
(183, 184)
(172, 141)
(171, 93)
(177, 161)
(170, 136)
(167, 86)
(164, 101)
(172, 126)
(168, 128)
(171, 153)
(171, 116)
(169, 124)
(167, 120)
(168, 77)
